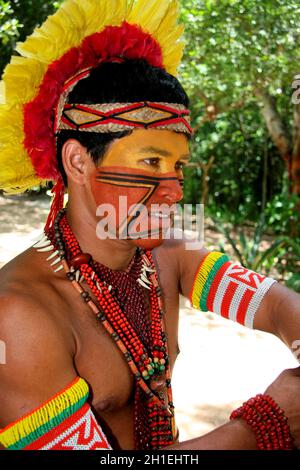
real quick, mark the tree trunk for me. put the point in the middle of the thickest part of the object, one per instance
(205, 168)
(276, 127)
(289, 151)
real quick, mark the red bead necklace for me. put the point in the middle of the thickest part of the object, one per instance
(142, 340)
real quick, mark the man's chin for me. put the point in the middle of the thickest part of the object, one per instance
(148, 243)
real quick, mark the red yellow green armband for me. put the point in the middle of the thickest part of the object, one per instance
(65, 422)
(228, 289)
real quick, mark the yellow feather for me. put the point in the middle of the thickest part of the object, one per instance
(70, 25)
(149, 13)
(103, 13)
(2, 92)
(172, 48)
(160, 19)
(95, 19)
(130, 5)
(50, 42)
(76, 12)
(169, 22)
(67, 28)
(77, 15)
(19, 89)
(11, 147)
(24, 177)
(169, 37)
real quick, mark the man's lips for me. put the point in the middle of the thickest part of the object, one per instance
(159, 220)
(159, 215)
(153, 219)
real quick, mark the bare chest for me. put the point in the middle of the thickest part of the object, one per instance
(99, 359)
(103, 365)
(100, 362)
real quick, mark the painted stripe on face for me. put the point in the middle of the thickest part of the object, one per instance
(141, 188)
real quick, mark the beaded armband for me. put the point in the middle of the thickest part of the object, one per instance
(65, 422)
(228, 289)
(268, 422)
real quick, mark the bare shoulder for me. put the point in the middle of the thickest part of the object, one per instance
(183, 251)
(182, 244)
(184, 254)
(36, 362)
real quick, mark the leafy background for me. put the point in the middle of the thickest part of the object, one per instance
(239, 67)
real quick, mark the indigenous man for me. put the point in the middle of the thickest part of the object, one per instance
(90, 323)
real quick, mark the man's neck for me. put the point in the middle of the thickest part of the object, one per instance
(115, 254)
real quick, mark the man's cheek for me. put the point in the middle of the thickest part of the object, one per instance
(98, 195)
(106, 193)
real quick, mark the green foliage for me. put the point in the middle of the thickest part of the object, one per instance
(254, 250)
(288, 262)
(18, 18)
(233, 45)
(239, 143)
(234, 48)
(248, 249)
(294, 282)
(282, 216)
(9, 31)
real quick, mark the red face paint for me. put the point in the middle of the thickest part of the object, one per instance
(130, 191)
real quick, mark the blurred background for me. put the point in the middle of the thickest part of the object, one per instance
(240, 70)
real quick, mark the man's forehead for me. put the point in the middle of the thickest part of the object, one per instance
(155, 150)
(153, 142)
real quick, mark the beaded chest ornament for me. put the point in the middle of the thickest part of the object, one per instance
(138, 330)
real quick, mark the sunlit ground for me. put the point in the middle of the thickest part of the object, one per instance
(220, 364)
(21, 223)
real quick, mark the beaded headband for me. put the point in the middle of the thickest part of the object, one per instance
(118, 117)
(78, 37)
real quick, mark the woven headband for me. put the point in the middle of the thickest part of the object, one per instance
(72, 42)
(118, 117)
(36, 86)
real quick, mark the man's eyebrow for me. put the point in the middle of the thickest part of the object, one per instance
(161, 152)
(158, 151)
(186, 157)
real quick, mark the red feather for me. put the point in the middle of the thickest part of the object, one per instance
(128, 41)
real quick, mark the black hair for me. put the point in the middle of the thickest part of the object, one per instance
(113, 82)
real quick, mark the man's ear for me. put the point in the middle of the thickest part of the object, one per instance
(77, 162)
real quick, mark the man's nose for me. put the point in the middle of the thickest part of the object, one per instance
(170, 191)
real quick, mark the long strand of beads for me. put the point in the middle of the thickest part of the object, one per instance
(143, 366)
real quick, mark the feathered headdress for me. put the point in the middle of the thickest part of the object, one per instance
(80, 35)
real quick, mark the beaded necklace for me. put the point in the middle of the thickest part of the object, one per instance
(139, 335)
(130, 294)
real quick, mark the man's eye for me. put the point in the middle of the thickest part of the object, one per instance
(180, 165)
(152, 161)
